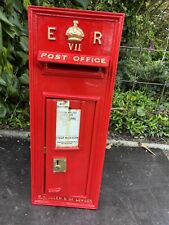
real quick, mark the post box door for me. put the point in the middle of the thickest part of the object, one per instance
(69, 128)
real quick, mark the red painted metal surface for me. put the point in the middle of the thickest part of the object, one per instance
(80, 73)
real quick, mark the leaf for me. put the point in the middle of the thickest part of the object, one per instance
(18, 6)
(4, 18)
(12, 89)
(24, 93)
(110, 2)
(10, 31)
(24, 79)
(83, 3)
(2, 82)
(23, 56)
(7, 77)
(24, 31)
(8, 68)
(141, 111)
(9, 5)
(3, 110)
(26, 3)
(1, 40)
(11, 50)
(24, 43)
(14, 19)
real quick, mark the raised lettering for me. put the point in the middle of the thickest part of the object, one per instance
(103, 60)
(75, 47)
(82, 58)
(71, 46)
(79, 47)
(97, 60)
(87, 59)
(43, 54)
(57, 56)
(64, 57)
(51, 31)
(50, 56)
(76, 58)
(97, 37)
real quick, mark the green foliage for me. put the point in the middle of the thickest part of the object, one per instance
(13, 55)
(19, 118)
(136, 113)
(82, 3)
(144, 66)
(2, 110)
(145, 24)
(145, 21)
(147, 67)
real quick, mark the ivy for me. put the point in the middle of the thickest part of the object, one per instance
(145, 25)
(82, 3)
(136, 113)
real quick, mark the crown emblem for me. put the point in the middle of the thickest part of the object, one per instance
(75, 33)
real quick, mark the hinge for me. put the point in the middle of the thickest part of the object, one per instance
(44, 149)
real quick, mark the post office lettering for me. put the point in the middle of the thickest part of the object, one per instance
(54, 56)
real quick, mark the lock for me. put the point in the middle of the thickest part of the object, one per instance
(59, 165)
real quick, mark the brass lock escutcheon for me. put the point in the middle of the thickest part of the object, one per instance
(59, 165)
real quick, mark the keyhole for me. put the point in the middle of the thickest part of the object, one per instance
(57, 164)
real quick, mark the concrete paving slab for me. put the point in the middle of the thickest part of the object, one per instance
(135, 190)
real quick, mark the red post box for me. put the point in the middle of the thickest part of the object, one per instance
(73, 57)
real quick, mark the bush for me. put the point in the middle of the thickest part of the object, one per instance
(14, 53)
(135, 112)
(13, 57)
(148, 67)
(139, 114)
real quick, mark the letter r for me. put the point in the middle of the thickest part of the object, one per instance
(97, 37)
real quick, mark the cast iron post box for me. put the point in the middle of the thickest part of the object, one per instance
(73, 57)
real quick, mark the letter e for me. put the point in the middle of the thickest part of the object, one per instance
(51, 33)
